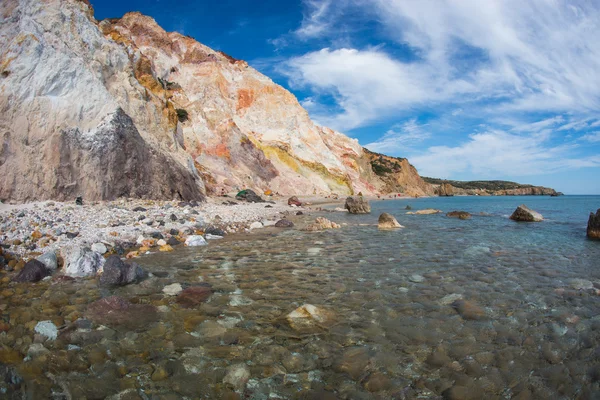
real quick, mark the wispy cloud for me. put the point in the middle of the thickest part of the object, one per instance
(593, 137)
(499, 56)
(497, 153)
(400, 137)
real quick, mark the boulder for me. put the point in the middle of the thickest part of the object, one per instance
(215, 231)
(387, 221)
(284, 223)
(50, 260)
(593, 228)
(84, 262)
(308, 317)
(118, 273)
(195, 240)
(250, 196)
(357, 205)
(293, 201)
(523, 213)
(33, 271)
(459, 214)
(321, 224)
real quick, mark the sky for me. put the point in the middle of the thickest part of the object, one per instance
(465, 89)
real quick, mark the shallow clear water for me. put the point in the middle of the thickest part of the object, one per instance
(450, 308)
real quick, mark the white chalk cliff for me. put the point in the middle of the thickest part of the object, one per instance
(121, 108)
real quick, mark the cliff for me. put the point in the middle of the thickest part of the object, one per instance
(122, 108)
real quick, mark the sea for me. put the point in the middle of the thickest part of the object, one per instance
(441, 309)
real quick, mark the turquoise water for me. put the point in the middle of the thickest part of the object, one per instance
(444, 308)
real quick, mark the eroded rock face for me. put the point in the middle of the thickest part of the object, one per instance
(387, 221)
(123, 108)
(357, 205)
(593, 228)
(525, 214)
(445, 190)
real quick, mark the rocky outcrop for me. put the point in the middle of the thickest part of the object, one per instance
(321, 224)
(387, 221)
(524, 214)
(459, 214)
(593, 227)
(445, 190)
(357, 205)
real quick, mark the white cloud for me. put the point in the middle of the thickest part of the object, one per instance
(497, 153)
(400, 137)
(593, 137)
(537, 55)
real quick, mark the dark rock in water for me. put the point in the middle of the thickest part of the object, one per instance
(116, 311)
(357, 205)
(593, 228)
(250, 196)
(408, 207)
(284, 223)
(173, 217)
(293, 201)
(387, 221)
(33, 271)
(459, 214)
(79, 201)
(118, 273)
(139, 209)
(299, 213)
(194, 296)
(72, 235)
(173, 241)
(523, 213)
(211, 230)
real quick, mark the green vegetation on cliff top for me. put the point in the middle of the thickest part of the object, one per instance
(485, 185)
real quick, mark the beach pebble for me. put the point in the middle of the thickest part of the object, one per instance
(256, 225)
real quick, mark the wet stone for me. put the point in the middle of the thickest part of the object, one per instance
(33, 271)
(194, 296)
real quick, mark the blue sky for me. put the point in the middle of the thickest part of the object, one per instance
(466, 89)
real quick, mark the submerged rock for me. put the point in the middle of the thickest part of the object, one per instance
(118, 273)
(84, 262)
(523, 213)
(33, 271)
(47, 329)
(194, 296)
(593, 227)
(237, 376)
(172, 289)
(469, 310)
(427, 211)
(387, 221)
(307, 317)
(357, 205)
(321, 224)
(116, 311)
(459, 214)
